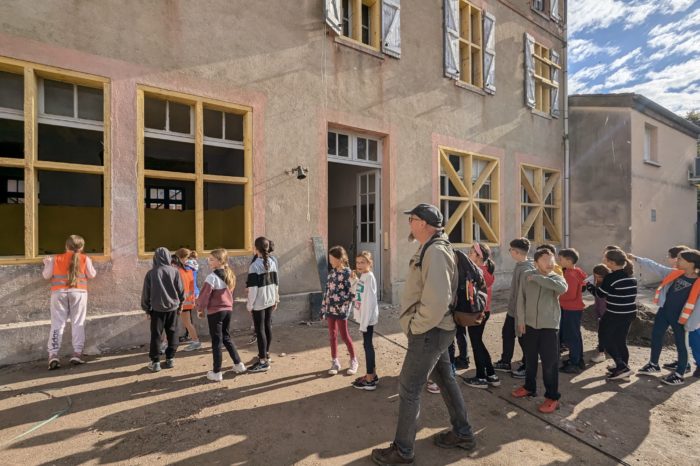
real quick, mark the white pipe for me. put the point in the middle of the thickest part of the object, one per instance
(567, 160)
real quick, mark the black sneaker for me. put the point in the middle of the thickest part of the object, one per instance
(502, 366)
(493, 380)
(364, 384)
(168, 364)
(673, 379)
(259, 367)
(582, 364)
(649, 369)
(462, 363)
(519, 373)
(620, 374)
(570, 369)
(671, 365)
(476, 382)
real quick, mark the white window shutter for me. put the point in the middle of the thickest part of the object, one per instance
(554, 10)
(391, 27)
(555, 90)
(489, 53)
(332, 11)
(529, 71)
(451, 8)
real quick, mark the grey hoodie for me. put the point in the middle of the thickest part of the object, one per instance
(520, 267)
(538, 300)
(163, 290)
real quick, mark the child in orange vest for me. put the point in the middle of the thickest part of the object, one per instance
(69, 273)
(188, 281)
(677, 297)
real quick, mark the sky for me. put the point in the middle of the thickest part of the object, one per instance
(650, 47)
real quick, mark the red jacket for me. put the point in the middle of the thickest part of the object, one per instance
(572, 300)
(489, 279)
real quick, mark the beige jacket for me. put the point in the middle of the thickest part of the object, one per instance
(428, 291)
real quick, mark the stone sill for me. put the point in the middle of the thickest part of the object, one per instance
(359, 46)
(652, 163)
(469, 87)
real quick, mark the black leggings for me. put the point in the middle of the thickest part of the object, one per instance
(262, 321)
(218, 329)
(484, 367)
(369, 348)
(614, 329)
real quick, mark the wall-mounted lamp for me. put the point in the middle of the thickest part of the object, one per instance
(300, 171)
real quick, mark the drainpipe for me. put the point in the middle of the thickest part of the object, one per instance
(567, 155)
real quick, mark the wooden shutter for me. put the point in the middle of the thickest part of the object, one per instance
(332, 12)
(554, 10)
(555, 90)
(489, 53)
(529, 71)
(391, 27)
(451, 10)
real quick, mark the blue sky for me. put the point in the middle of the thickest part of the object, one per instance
(651, 47)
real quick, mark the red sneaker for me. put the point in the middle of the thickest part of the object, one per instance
(548, 406)
(521, 392)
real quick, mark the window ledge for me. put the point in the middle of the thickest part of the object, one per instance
(542, 114)
(469, 87)
(652, 163)
(359, 46)
(18, 260)
(541, 13)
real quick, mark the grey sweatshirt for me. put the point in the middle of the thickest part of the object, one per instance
(163, 290)
(538, 300)
(520, 267)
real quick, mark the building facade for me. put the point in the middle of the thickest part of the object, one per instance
(630, 186)
(207, 124)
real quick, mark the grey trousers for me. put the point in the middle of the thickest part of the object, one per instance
(427, 357)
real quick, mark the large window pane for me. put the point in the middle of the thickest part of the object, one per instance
(70, 203)
(11, 90)
(12, 211)
(154, 113)
(234, 127)
(224, 219)
(58, 98)
(169, 155)
(90, 103)
(70, 145)
(179, 118)
(169, 214)
(11, 139)
(213, 124)
(223, 161)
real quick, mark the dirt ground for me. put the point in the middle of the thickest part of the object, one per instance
(112, 410)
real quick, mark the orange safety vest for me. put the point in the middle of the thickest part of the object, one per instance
(692, 298)
(61, 265)
(187, 277)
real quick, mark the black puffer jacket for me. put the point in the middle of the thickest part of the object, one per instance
(163, 290)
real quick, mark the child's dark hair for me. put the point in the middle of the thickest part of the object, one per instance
(675, 250)
(601, 270)
(569, 253)
(193, 255)
(522, 244)
(618, 257)
(549, 247)
(180, 257)
(339, 253)
(264, 246)
(485, 255)
(543, 252)
(693, 256)
(612, 247)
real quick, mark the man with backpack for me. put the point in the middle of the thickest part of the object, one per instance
(426, 318)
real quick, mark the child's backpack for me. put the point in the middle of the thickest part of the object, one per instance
(469, 304)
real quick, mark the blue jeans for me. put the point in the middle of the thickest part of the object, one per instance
(571, 334)
(694, 341)
(427, 357)
(662, 321)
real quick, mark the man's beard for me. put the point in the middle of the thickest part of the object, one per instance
(411, 238)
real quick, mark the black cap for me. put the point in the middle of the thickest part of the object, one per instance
(427, 212)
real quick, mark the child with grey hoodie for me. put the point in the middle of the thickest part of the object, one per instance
(161, 299)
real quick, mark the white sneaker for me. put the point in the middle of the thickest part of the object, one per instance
(239, 368)
(600, 357)
(335, 367)
(194, 345)
(215, 376)
(354, 365)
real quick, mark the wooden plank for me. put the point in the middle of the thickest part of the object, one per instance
(248, 171)
(356, 20)
(530, 220)
(529, 188)
(214, 104)
(554, 232)
(68, 167)
(198, 170)
(30, 155)
(140, 179)
(10, 162)
(483, 176)
(496, 206)
(484, 224)
(225, 179)
(549, 186)
(107, 161)
(456, 217)
(452, 174)
(376, 21)
(166, 175)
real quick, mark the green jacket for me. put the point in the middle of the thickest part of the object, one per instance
(538, 300)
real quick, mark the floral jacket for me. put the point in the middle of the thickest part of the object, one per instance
(338, 296)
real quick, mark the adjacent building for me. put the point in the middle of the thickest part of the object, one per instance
(206, 124)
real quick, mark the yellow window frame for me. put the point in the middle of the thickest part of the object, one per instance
(468, 190)
(374, 22)
(543, 78)
(471, 42)
(31, 164)
(199, 177)
(544, 202)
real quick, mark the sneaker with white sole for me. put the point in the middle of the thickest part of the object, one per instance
(600, 357)
(502, 366)
(354, 365)
(193, 345)
(77, 359)
(476, 382)
(168, 364)
(215, 376)
(239, 368)
(493, 380)
(154, 366)
(621, 374)
(519, 373)
(649, 369)
(673, 378)
(259, 367)
(433, 388)
(335, 367)
(54, 362)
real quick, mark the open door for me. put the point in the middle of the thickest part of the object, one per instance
(369, 230)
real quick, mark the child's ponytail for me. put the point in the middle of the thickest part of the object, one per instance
(75, 244)
(629, 268)
(264, 246)
(229, 277)
(619, 258)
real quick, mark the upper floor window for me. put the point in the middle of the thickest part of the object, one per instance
(547, 7)
(650, 144)
(541, 77)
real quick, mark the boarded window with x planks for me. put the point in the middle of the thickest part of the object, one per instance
(470, 197)
(540, 204)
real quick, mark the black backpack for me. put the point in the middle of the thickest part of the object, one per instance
(469, 304)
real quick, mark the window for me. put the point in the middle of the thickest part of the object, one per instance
(361, 150)
(540, 204)
(650, 144)
(470, 44)
(57, 184)
(469, 197)
(196, 169)
(542, 77)
(539, 5)
(361, 21)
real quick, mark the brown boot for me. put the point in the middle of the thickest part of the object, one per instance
(450, 440)
(389, 456)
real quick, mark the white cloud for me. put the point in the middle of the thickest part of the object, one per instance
(689, 22)
(619, 77)
(590, 15)
(580, 49)
(626, 58)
